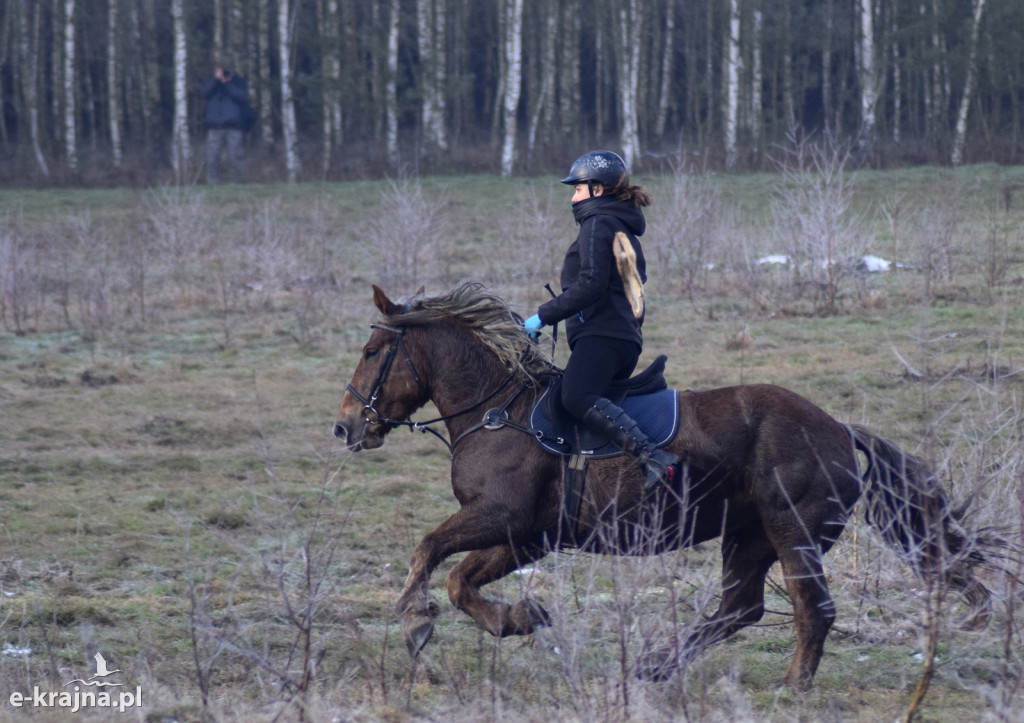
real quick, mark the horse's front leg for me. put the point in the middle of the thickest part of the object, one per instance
(483, 566)
(466, 530)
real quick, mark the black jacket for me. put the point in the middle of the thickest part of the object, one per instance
(593, 300)
(225, 102)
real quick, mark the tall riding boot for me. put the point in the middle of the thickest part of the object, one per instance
(612, 421)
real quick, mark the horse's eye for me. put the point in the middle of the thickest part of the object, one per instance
(371, 353)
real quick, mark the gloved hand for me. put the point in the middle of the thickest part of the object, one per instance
(532, 326)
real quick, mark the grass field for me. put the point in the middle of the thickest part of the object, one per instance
(171, 496)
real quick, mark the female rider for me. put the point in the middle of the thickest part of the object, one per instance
(604, 335)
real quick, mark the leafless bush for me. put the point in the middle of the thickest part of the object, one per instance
(685, 234)
(813, 220)
(406, 240)
(179, 229)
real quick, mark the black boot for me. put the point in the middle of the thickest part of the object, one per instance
(613, 422)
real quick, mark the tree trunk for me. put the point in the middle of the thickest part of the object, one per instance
(866, 74)
(513, 80)
(391, 93)
(541, 116)
(181, 147)
(113, 87)
(628, 80)
(263, 26)
(667, 64)
(960, 136)
(755, 114)
(430, 21)
(732, 83)
(288, 129)
(30, 77)
(70, 83)
(330, 67)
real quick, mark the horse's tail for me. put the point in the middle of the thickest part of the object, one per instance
(906, 504)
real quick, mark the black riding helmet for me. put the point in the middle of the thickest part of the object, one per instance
(602, 167)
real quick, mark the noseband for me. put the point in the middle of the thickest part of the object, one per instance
(369, 404)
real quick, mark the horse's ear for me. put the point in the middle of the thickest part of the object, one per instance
(382, 302)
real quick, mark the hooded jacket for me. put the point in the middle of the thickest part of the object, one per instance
(593, 301)
(225, 102)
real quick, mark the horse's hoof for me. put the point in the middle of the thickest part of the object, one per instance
(524, 616)
(416, 631)
(658, 665)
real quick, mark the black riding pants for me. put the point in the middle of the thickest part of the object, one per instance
(595, 362)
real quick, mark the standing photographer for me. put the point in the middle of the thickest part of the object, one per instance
(227, 119)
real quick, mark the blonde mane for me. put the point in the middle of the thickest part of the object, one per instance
(487, 317)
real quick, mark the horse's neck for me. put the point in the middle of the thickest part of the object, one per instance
(460, 387)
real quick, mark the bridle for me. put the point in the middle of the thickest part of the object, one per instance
(493, 419)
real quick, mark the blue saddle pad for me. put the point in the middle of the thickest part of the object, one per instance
(657, 414)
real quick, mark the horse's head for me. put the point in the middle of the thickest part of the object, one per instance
(385, 388)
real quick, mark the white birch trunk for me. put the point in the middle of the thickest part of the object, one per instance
(70, 82)
(113, 87)
(667, 51)
(629, 76)
(391, 86)
(288, 129)
(866, 71)
(430, 22)
(218, 26)
(732, 83)
(513, 80)
(181, 150)
(960, 136)
(30, 77)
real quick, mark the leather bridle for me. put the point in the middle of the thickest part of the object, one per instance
(493, 419)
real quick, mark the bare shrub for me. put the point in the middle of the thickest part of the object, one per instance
(813, 220)
(179, 228)
(406, 239)
(685, 233)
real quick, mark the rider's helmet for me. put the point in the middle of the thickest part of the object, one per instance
(602, 167)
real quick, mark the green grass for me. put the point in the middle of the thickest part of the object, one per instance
(162, 474)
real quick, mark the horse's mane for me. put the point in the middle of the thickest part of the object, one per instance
(487, 317)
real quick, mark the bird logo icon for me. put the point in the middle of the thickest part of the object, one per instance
(101, 672)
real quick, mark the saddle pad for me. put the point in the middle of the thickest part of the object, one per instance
(657, 414)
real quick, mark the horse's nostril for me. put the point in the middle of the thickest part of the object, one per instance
(339, 431)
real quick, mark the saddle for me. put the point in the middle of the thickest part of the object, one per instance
(645, 397)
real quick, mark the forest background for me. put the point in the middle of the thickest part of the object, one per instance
(105, 92)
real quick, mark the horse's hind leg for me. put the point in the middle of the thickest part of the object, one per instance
(747, 555)
(483, 566)
(813, 611)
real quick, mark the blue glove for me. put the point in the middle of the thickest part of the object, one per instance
(532, 326)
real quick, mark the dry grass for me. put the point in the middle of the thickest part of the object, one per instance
(171, 495)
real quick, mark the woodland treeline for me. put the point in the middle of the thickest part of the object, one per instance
(106, 91)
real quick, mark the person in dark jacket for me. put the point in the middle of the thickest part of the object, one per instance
(227, 103)
(603, 327)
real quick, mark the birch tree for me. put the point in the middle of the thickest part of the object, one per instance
(70, 83)
(866, 72)
(181, 147)
(113, 86)
(541, 115)
(431, 22)
(391, 85)
(732, 83)
(288, 128)
(30, 77)
(667, 64)
(628, 79)
(513, 75)
(960, 135)
(331, 69)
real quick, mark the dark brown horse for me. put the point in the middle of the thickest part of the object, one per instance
(767, 470)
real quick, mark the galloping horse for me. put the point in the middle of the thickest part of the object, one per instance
(768, 471)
